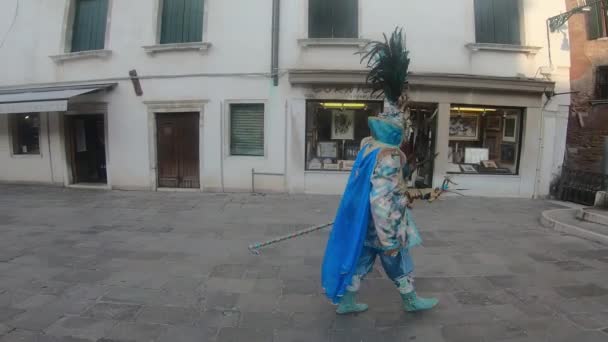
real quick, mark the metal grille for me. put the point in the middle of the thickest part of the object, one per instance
(580, 186)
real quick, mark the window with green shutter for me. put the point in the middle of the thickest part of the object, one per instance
(498, 21)
(247, 129)
(182, 21)
(602, 83)
(333, 18)
(89, 27)
(597, 21)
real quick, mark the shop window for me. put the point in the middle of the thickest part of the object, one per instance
(597, 21)
(333, 18)
(181, 21)
(334, 130)
(89, 27)
(247, 129)
(25, 132)
(498, 21)
(484, 140)
(602, 83)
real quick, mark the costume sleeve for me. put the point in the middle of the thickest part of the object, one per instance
(388, 200)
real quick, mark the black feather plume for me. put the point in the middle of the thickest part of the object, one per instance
(388, 62)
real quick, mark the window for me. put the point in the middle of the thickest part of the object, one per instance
(498, 21)
(484, 140)
(333, 18)
(25, 131)
(247, 129)
(597, 21)
(602, 82)
(334, 130)
(181, 21)
(89, 27)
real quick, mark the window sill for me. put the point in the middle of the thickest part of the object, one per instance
(529, 50)
(27, 156)
(81, 55)
(333, 42)
(599, 102)
(346, 172)
(159, 48)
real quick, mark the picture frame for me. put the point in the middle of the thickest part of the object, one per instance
(493, 122)
(508, 153)
(475, 155)
(343, 125)
(464, 127)
(510, 128)
(327, 149)
(489, 164)
(467, 168)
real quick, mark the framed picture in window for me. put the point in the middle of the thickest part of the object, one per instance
(327, 149)
(464, 127)
(509, 129)
(343, 125)
(507, 153)
(493, 122)
(466, 168)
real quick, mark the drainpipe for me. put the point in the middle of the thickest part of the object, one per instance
(274, 68)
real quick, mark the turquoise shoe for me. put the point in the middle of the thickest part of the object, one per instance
(413, 303)
(349, 305)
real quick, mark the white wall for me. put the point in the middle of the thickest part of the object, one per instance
(240, 34)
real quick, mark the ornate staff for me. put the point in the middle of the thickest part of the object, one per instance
(428, 194)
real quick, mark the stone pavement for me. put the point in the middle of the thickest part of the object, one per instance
(79, 265)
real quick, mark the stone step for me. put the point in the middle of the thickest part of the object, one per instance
(565, 221)
(593, 215)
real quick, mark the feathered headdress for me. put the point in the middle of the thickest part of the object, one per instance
(388, 62)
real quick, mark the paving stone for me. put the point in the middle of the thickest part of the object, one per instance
(112, 311)
(576, 291)
(231, 285)
(572, 265)
(257, 303)
(8, 313)
(34, 301)
(219, 319)
(291, 335)
(221, 300)
(229, 271)
(479, 298)
(187, 334)
(168, 315)
(126, 331)
(244, 334)
(80, 327)
(265, 320)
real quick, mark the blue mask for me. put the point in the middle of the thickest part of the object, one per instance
(385, 131)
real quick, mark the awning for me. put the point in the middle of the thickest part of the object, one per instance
(49, 99)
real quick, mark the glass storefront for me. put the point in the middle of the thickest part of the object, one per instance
(484, 140)
(334, 130)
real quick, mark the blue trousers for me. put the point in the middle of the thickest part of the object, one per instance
(398, 268)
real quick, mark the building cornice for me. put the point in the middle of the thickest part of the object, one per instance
(312, 77)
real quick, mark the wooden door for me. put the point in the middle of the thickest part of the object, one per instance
(177, 150)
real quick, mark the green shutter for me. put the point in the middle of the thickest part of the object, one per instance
(594, 22)
(345, 18)
(506, 22)
(319, 19)
(247, 129)
(484, 21)
(181, 21)
(89, 28)
(497, 22)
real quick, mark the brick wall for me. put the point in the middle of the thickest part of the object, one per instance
(587, 124)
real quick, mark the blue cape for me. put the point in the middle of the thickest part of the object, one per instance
(350, 228)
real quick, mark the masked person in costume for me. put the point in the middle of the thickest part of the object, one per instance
(373, 220)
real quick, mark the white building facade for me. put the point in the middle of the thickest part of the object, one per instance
(196, 94)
